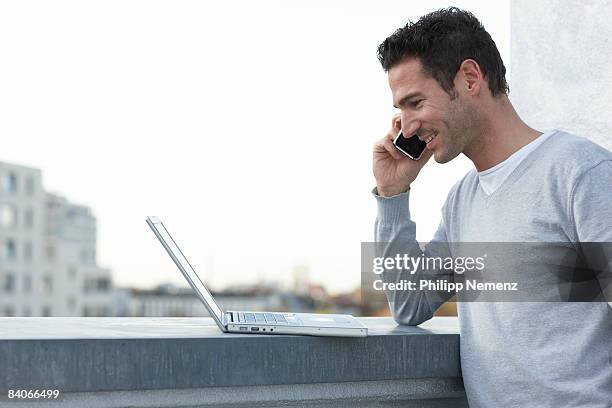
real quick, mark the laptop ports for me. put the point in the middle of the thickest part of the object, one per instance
(254, 328)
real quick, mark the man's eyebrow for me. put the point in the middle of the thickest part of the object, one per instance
(406, 98)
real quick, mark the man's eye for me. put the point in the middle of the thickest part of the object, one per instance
(416, 103)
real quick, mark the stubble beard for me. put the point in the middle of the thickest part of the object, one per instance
(463, 125)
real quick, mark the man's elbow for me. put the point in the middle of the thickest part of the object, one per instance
(411, 317)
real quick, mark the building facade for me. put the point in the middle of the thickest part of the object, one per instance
(47, 252)
(170, 301)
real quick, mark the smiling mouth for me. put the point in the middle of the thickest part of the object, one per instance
(429, 138)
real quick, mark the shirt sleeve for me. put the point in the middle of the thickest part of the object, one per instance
(395, 233)
(591, 206)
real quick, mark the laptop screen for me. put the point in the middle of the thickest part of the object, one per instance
(179, 259)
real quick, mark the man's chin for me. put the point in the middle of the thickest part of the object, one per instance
(442, 156)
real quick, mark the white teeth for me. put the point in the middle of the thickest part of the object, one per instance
(430, 138)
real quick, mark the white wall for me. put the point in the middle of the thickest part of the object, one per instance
(561, 70)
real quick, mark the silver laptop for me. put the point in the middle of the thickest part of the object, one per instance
(257, 322)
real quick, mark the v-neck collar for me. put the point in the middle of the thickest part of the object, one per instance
(517, 172)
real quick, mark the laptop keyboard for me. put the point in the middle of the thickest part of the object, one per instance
(253, 317)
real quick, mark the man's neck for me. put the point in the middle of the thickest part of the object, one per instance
(504, 134)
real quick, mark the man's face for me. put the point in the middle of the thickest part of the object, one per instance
(449, 125)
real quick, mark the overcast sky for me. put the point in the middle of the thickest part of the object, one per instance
(246, 126)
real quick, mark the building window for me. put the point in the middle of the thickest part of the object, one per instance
(8, 250)
(29, 218)
(28, 252)
(29, 186)
(8, 216)
(8, 311)
(96, 285)
(8, 283)
(48, 284)
(8, 183)
(95, 311)
(46, 311)
(27, 312)
(72, 273)
(27, 284)
(103, 285)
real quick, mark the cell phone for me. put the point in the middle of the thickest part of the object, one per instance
(412, 147)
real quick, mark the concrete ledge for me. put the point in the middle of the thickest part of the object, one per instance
(188, 362)
(424, 393)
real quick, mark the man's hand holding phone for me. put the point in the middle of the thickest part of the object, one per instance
(395, 171)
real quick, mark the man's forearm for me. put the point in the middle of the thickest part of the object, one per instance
(395, 233)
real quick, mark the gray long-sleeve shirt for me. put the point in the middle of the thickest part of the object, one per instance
(522, 354)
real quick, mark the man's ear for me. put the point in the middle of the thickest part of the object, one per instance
(469, 77)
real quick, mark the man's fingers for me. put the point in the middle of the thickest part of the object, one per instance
(396, 154)
(397, 125)
(396, 118)
(385, 146)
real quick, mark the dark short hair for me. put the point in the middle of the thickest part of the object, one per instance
(442, 40)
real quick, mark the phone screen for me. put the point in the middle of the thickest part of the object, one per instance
(412, 147)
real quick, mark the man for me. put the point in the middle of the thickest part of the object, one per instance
(448, 80)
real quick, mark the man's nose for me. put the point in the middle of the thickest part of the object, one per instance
(409, 124)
